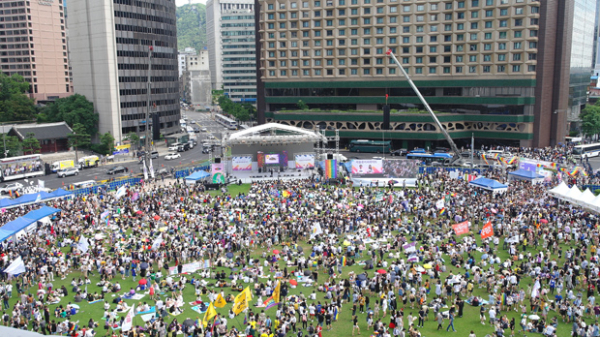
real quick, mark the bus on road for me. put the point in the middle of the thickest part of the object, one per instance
(430, 159)
(586, 151)
(21, 167)
(226, 122)
(371, 146)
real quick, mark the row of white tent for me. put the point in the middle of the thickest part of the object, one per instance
(574, 195)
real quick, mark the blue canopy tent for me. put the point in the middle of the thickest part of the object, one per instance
(489, 184)
(34, 198)
(25, 221)
(194, 177)
(522, 174)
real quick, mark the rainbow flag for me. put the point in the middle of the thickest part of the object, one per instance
(574, 171)
(512, 160)
(343, 261)
(483, 156)
(331, 169)
(286, 194)
(554, 165)
(269, 303)
(442, 211)
(503, 298)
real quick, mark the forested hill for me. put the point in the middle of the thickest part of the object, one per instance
(191, 26)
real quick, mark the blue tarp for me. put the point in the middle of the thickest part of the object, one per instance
(23, 222)
(348, 166)
(34, 197)
(197, 175)
(488, 184)
(526, 174)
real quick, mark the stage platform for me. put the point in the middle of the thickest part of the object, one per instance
(383, 182)
(251, 176)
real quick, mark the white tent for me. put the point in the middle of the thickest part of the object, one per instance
(573, 194)
(560, 190)
(586, 198)
(596, 202)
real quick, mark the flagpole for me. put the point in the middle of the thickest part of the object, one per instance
(241, 327)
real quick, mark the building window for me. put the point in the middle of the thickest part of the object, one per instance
(501, 69)
(516, 68)
(458, 70)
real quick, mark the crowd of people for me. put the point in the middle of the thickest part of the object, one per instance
(389, 261)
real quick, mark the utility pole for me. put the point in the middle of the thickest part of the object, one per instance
(148, 92)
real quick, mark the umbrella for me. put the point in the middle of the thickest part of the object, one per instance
(99, 236)
(294, 282)
(143, 282)
(427, 266)
(229, 255)
(256, 261)
(544, 221)
(144, 265)
(362, 277)
(139, 212)
(534, 317)
(382, 271)
(156, 217)
(307, 273)
(346, 243)
(300, 249)
(162, 229)
(275, 251)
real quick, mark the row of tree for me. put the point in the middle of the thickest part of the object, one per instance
(75, 110)
(242, 112)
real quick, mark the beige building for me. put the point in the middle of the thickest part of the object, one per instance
(33, 44)
(501, 66)
(196, 80)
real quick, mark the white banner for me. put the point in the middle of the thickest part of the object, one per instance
(241, 163)
(272, 159)
(128, 322)
(368, 167)
(304, 161)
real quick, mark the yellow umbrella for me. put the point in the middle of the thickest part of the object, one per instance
(346, 243)
(162, 229)
(427, 266)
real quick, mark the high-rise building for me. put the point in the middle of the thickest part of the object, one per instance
(109, 41)
(231, 46)
(582, 53)
(33, 44)
(495, 69)
(196, 80)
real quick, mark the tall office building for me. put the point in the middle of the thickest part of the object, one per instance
(231, 46)
(495, 69)
(582, 53)
(109, 41)
(33, 44)
(196, 81)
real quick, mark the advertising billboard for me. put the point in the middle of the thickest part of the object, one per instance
(304, 161)
(367, 168)
(241, 163)
(218, 173)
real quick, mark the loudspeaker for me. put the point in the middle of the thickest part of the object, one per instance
(259, 170)
(217, 160)
(386, 118)
(330, 156)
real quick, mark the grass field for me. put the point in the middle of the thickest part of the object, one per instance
(342, 327)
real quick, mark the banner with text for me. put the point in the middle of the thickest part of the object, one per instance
(218, 173)
(241, 163)
(461, 228)
(304, 161)
(367, 168)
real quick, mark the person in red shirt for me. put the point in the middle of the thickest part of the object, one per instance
(319, 329)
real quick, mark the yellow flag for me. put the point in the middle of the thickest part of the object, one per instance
(277, 292)
(245, 291)
(241, 303)
(209, 314)
(220, 301)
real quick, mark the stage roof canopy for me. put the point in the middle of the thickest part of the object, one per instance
(274, 134)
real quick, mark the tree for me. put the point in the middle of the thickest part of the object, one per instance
(13, 146)
(79, 138)
(134, 139)
(30, 144)
(15, 105)
(108, 142)
(590, 120)
(75, 109)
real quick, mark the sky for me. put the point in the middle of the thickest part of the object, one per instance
(185, 2)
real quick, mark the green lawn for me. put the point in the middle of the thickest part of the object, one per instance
(342, 327)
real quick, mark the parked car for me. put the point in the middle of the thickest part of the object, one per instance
(116, 169)
(193, 121)
(399, 152)
(11, 188)
(70, 171)
(204, 130)
(174, 147)
(196, 129)
(172, 155)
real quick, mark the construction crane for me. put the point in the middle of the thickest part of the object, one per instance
(456, 156)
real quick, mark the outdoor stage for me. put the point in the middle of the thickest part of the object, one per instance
(398, 182)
